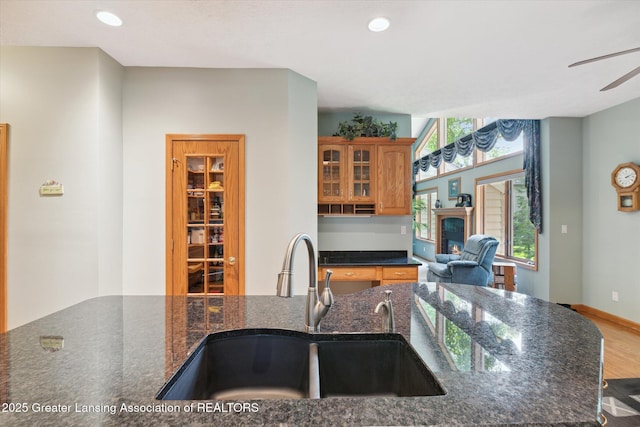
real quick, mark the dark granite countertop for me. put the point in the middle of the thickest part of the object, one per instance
(365, 258)
(503, 358)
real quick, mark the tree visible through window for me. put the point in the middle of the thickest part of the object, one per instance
(456, 129)
(524, 233)
(429, 145)
(502, 147)
(504, 214)
(424, 217)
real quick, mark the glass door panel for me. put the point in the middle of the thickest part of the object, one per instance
(361, 181)
(205, 225)
(332, 174)
(195, 271)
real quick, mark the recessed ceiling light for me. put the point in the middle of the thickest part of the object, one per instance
(379, 24)
(109, 18)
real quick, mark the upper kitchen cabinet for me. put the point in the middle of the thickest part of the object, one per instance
(366, 176)
(394, 175)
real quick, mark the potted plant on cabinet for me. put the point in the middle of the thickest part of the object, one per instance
(366, 126)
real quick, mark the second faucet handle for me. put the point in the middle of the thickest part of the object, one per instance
(327, 296)
(388, 293)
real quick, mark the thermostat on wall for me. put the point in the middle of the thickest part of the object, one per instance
(51, 188)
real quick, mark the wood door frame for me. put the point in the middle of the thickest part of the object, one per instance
(4, 198)
(170, 138)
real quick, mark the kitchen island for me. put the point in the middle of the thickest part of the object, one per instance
(503, 359)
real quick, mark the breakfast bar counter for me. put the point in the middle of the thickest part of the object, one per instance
(502, 358)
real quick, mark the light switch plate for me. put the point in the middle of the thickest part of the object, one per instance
(51, 190)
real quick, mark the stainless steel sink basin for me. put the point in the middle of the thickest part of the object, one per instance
(282, 364)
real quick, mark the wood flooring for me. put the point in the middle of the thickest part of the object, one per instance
(621, 348)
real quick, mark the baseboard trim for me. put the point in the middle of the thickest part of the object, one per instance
(422, 259)
(581, 308)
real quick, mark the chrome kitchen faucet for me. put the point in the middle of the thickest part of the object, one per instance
(317, 306)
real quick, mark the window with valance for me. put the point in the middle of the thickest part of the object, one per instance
(484, 139)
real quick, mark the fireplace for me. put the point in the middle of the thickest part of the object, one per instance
(452, 235)
(454, 227)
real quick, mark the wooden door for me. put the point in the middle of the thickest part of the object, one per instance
(4, 162)
(205, 214)
(394, 180)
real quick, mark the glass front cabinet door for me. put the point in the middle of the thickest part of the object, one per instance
(331, 179)
(362, 170)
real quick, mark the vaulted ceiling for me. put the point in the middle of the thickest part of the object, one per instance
(439, 58)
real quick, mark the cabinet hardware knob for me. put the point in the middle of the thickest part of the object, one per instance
(349, 273)
(231, 260)
(401, 273)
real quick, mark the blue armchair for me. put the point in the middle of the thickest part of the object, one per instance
(471, 267)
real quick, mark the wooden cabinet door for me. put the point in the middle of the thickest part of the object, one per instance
(331, 173)
(394, 180)
(205, 214)
(399, 274)
(362, 171)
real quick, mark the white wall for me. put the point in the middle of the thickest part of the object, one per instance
(611, 239)
(109, 170)
(275, 109)
(564, 189)
(302, 188)
(365, 234)
(60, 129)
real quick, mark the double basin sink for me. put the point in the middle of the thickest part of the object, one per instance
(249, 364)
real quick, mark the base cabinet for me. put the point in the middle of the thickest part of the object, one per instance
(378, 275)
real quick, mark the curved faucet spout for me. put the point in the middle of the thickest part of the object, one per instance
(285, 277)
(316, 307)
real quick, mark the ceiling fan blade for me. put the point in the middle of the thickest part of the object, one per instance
(599, 58)
(622, 79)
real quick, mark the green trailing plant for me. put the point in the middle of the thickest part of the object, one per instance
(419, 205)
(366, 126)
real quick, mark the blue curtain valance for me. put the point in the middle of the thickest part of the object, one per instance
(484, 139)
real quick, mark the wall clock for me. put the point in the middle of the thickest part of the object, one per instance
(626, 180)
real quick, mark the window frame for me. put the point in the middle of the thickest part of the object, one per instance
(508, 215)
(435, 127)
(443, 142)
(479, 158)
(432, 223)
